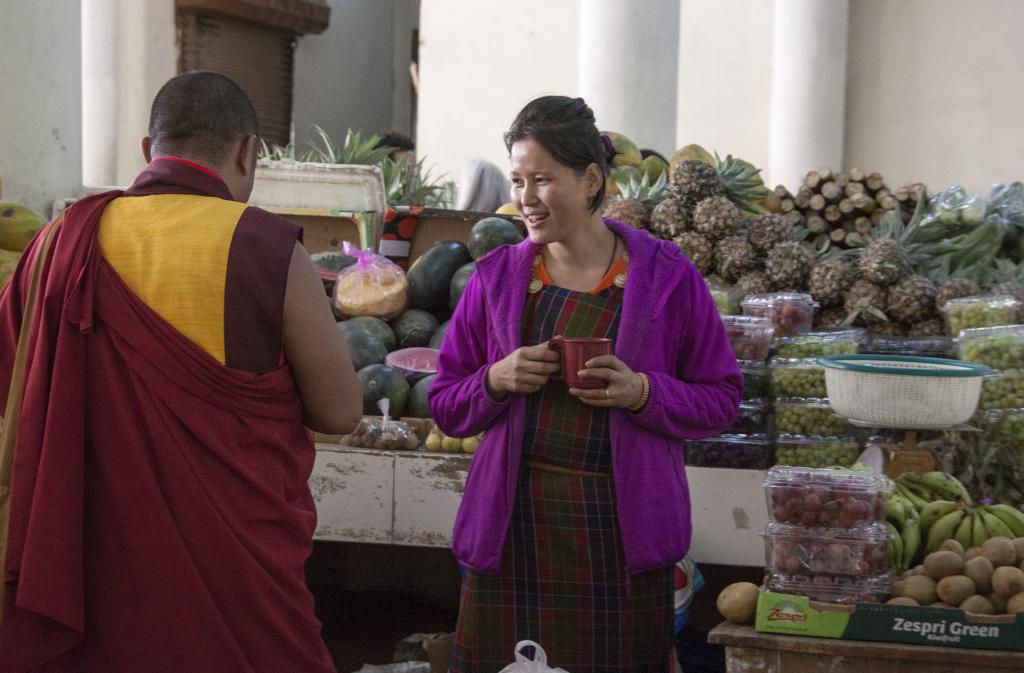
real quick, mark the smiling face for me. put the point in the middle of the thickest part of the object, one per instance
(553, 199)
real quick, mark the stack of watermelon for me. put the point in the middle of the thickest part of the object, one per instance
(397, 359)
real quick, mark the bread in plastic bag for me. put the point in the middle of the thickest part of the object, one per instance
(523, 664)
(384, 433)
(373, 286)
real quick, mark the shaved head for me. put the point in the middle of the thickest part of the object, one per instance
(200, 115)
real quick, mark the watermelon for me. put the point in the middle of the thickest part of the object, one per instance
(379, 329)
(438, 338)
(431, 275)
(363, 347)
(413, 363)
(489, 233)
(378, 382)
(418, 403)
(330, 262)
(458, 285)
(414, 328)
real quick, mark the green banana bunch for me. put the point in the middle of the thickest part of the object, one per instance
(965, 532)
(979, 532)
(943, 529)
(895, 549)
(995, 525)
(912, 495)
(946, 486)
(1012, 517)
(934, 511)
(911, 534)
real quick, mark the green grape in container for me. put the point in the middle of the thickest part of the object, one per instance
(801, 451)
(810, 417)
(793, 377)
(980, 311)
(815, 344)
(1004, 390)
(998, 347)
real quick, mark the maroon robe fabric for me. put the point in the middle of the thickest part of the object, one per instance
(160, 513)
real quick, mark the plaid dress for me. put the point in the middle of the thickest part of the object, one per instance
(563, 580)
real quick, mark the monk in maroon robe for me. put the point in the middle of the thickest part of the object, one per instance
(154, 508)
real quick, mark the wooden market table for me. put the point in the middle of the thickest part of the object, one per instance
(747, 651)
(410, 498)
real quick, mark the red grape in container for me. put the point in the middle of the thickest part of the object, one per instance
(813, 551)
(825, 497)
(790, 313)
(751, 337)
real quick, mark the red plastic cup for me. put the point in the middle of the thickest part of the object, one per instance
(575, 353)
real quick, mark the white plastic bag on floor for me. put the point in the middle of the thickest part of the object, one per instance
(539, 663)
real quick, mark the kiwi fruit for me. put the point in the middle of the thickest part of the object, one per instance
(955, 589)
(1015, 604)
(980, 570)
(1018, 545)
(1008, 581)
(921, 588)
(971, 553)
(941, 564)
(953, 546)
(979, 605)
(902, 600)
(940, 604)
(1000, 551)
(917, 570)
(898, 587)
(998, 603)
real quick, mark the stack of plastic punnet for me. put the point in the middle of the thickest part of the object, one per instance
(1001, 409)
(826, 538)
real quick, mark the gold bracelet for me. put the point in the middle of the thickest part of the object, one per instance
(646, 394)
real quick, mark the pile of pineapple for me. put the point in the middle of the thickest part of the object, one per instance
(894, 282)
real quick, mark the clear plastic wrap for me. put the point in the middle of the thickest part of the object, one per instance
(755, 379)
(927, 347)
(954, 206)
(838, 589)
(815, 344)
(751, 337)
(825, 497)
(740, 452)
(810, 416)
(813, 551)
(799, 450)
(373, 286)
(383, 434)
(791, 313)
(797, 377)
(753, 418)
(1004, 428)
(980, 311)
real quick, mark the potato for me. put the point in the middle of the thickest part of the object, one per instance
(979, 605)
(972, 552)
(1007, 581)
(1000, 551)
(902, 600)
(998, 603)
(953, 546)
(738, 602)
(1015, 604)
(955, 589)
(1018, 545)
(941, 564)
(980, 570)
(921, 588)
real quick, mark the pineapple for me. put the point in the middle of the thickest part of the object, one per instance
(955, 288)
(716, 218)
(629, 211)
(698, 249)
(754, 282)
(788, 265)
(1007, 278)
(865, 304)
(694, 181)
(767, 231)
(733, 257)
(829, 279)
(670, 218)
(742, 184)
(890, 252)
(931, 327)
(911, 300)
(888, 329)
(830, 318)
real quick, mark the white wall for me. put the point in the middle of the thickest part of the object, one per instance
(725, 69)
(41, 118)
(347, 76)
(480, 62)
(935, 91)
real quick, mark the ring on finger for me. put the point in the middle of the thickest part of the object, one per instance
(607, 393)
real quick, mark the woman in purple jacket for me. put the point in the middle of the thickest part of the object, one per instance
(576, 507)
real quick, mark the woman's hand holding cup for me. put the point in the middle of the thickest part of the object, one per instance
(625, 388)
(524, 370)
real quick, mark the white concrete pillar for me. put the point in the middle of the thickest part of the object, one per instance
(629, 54)
(99, 90)
(808, 105)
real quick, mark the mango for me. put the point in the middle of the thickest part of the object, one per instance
(653, 167)
(18, 225)
(626, 151)
(692, 152)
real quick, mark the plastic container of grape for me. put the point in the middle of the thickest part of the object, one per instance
(1002, 390)
(791, 313)
(927, 347)
(999, 347)
(755, 379)
(980, 311)
(815, 451)
(797, 377)
(413, 363)
(739, 452)
(810, 416)
(750, 336)
(813, 551)
(1003, 428)
(827, 342)
(825, 497)
(754, 417)
(839, 589)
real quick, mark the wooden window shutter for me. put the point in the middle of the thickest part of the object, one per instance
(259, 58)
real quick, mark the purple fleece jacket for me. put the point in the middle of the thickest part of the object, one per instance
(669, 329)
